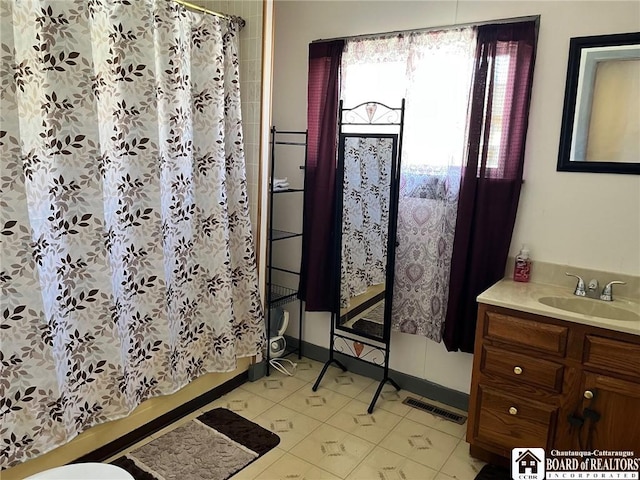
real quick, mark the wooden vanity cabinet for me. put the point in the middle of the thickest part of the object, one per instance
(618, 401)
(530, 373)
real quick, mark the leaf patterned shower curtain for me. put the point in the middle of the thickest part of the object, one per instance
(128, 266)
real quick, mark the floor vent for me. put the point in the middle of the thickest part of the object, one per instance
(441, 412)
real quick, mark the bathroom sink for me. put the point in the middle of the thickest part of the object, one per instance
(588, 306)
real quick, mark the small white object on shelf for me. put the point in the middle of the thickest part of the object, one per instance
(280, 184)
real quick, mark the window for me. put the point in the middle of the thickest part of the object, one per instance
(433, 72)
(500, 78)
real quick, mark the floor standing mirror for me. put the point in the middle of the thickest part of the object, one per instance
(367, 186)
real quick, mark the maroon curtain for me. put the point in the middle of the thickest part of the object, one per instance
(318, 246)
(492, 176)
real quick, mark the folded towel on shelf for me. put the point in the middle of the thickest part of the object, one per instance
(280, 184)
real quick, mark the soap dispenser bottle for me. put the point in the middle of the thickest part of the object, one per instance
(522, 269)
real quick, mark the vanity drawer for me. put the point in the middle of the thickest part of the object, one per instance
(510, 421)
(615, 355)
(521, 368)
(540, 336)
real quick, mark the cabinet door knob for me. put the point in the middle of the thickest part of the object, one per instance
(517, 370)
(588, 394)
(513, 411)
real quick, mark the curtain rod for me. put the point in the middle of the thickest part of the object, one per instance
(431, 29)
(192, 6)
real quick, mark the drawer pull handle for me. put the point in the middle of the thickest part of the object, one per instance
(517, 370)
(513, 411)
(588, 394)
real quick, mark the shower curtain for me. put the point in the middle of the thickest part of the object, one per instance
(128, 266)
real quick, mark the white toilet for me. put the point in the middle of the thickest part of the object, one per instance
(83, 471)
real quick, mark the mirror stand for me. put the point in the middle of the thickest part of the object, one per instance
(331, 360)
(369, 151)
(354, 348)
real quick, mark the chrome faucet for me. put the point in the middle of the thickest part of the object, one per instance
(580, 290)
(591, 290)
(607, 294)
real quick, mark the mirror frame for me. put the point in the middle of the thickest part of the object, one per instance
(565, 153)
(391, 234)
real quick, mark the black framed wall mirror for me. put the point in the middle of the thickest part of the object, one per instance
(600, 123)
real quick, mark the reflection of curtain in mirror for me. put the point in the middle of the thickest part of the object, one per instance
(365, 214)
(433, 71)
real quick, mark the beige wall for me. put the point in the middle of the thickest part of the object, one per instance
(588, 220)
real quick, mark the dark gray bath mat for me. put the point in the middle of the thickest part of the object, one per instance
(214, 446)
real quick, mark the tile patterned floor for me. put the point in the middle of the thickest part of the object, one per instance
(327, 435)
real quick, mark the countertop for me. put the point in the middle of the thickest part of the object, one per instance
(524, 297)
